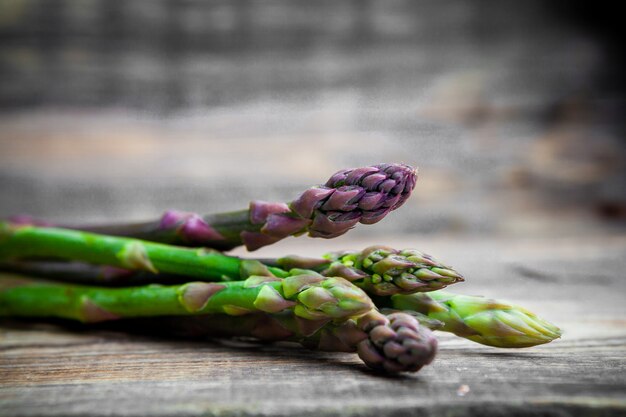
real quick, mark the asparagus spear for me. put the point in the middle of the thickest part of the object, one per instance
(378, 270)
(350, 196)
(393, 343)
(485, 321)
(489, 322)
(17, 241)
(319, 313)
(310, 296)
(482, 320)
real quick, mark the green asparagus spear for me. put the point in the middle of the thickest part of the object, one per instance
(310, 296)
(319, 313)
(17, 241)
(378, 270)
(350, 196)
(482, 320)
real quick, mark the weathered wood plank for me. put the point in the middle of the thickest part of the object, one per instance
(112, 374)
(49, 370)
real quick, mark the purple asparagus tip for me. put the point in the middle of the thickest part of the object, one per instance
(361, 195)
(396, 343)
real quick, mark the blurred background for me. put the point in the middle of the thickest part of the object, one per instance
(513, 111)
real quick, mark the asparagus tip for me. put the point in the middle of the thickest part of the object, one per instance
(396, 343)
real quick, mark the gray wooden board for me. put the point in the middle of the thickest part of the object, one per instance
(49, 370)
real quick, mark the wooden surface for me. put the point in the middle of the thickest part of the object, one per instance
(50, 370)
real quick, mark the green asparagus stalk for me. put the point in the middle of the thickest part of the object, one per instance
(309, 296)
(350, 196)
(18, 241)
(319, 313)
(378, 270)
(482, 320)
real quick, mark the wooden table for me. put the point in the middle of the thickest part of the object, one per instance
(48, 370)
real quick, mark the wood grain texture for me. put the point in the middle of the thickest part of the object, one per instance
(51, 370)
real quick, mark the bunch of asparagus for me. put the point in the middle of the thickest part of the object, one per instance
(380, 302)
